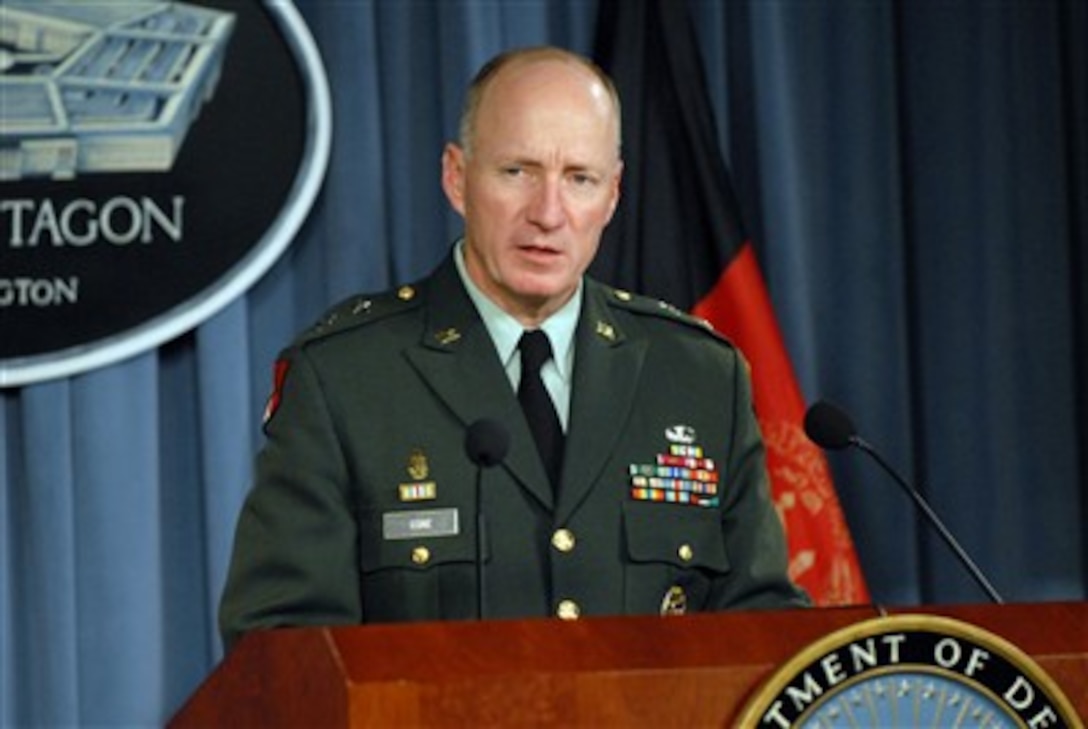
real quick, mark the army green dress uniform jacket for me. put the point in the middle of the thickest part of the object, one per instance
(365, 504)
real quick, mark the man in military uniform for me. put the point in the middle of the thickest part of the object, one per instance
(653, 497)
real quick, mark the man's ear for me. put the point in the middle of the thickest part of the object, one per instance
(453, 176)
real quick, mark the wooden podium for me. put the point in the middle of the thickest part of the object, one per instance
(689, 671)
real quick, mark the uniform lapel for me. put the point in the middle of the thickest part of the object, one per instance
(607, 367)
(457, 359)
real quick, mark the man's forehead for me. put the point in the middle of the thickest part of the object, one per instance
(547, 136)
(541, 101)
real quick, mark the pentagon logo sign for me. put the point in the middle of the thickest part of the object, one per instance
(156, 158)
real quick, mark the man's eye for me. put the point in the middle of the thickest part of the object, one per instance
(513, 171)
(581, 179)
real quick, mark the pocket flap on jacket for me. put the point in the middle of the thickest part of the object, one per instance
(682, 535)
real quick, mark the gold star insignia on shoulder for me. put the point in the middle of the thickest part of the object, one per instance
(327, 322)
(623, 295)
(406, 293)
(670, 308)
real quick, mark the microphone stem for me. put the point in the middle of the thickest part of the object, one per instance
(935, 520)
(481, 587)
(481, 549)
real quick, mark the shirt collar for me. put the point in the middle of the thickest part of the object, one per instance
(506, 331)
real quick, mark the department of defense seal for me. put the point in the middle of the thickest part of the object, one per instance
(910, 671)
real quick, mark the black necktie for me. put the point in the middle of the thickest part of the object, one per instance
(537, 404)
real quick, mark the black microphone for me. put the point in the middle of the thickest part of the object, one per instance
(486, 443)
(831, 428)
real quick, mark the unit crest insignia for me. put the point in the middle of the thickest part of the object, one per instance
(417, 465)
(418, 470)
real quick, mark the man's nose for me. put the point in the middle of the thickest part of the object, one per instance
(546, 208)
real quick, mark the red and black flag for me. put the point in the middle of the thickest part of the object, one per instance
(677, 235)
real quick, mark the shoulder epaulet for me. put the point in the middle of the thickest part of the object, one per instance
(360, 310)
(648, 306)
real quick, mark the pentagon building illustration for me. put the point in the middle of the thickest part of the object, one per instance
(98, 86)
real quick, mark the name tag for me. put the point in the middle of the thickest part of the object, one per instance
(422, 523)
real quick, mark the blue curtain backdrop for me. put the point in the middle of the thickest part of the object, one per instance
(915, 175)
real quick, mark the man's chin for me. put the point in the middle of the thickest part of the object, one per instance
(541, 290)
(543, 295)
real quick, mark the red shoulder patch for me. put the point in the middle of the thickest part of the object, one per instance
(279, 377)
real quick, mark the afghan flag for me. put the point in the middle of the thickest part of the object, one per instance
(677, 236)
